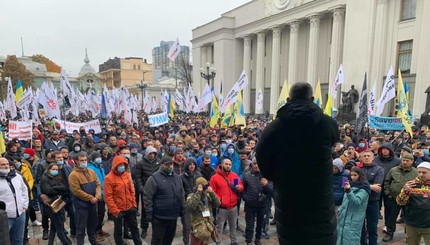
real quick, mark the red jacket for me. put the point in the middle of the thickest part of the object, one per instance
(118, 189)
(225, 194)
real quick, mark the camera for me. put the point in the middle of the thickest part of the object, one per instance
(205, 187)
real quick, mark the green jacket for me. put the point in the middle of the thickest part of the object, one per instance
(396, 179)
(196, 206)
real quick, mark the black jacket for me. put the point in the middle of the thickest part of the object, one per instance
(207, 172)
(295, 152)
(189, 179)
(387, 163)
(145, 169)
(51, 186)
(253, 190)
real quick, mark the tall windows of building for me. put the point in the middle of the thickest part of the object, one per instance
(408, 10)
(404, 56)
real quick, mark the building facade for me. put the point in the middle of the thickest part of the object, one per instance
(163, 66)
(125, 72)
(307, 40)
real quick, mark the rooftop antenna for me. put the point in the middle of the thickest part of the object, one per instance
(22, 47)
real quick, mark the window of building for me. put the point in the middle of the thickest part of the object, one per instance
(134, 67)
(408, 9)
(404, 56)
(138, 67)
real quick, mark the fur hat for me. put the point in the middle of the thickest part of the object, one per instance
(201, 181)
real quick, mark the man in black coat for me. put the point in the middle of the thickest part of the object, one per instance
(295, 152)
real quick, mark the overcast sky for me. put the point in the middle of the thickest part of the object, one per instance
(62, 29)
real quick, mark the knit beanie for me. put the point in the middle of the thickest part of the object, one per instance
(424, 165)
(408, 156)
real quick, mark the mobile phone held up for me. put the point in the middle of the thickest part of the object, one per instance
(236, 182)
(344, 181)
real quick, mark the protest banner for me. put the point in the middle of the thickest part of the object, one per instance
(71, 126)
(158, 119)
(386, 123)
(20, 130)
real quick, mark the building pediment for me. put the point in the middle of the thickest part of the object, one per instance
(276, 6)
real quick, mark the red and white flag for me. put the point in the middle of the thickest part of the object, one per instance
(174, 50)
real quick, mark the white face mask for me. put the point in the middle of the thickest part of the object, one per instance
(4, 171)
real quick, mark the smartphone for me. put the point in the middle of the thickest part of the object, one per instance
(236, 182)
(344, 181)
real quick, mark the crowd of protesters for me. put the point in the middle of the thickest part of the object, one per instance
(140, 176)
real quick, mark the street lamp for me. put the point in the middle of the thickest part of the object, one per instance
(142, 87)
(208, 74)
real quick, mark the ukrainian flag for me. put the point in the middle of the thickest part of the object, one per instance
(317, 95)
(407, 95)
(329, 106)
(171, 107)
(215, 114)
(228, 117)
(239, 111)
(403, 107)
(19, 92)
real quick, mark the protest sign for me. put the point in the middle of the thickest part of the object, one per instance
(158, 119)
(71, 126)
(386, 123)
(20, 130)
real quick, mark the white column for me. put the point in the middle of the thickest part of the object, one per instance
(336, 48)
(314, 22)
(247, 69)
(274, 85)
(259, 77)
(204, 60)
(293, 52)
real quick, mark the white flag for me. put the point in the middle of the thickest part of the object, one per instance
(48, 99)
(10, 100)
(372, 100)
(232, 94)
(147, 103)
(154, 104)
(25, 98)
(66, 88)
(174, 50)
(206, 97)
(259, 102)
(388, 92)
(2, 111)
(179, 100)
(338, 81)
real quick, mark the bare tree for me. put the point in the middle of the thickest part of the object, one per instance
(185, 71)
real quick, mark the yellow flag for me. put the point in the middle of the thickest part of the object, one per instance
(403, 107)
(19, 91)
(317, 95)
(227, 118)
(329, 106)
(282, 100)
(2, 144)
(215, 114)
(239, 112)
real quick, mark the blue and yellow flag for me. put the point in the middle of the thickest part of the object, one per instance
(215, 114)
(228, 117)
(329, 106)
(403, 107)
(171, 107)
(2, 143)
(239, 111)
(317, 95)
(19, 92)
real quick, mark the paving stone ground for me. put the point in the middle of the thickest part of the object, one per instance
(35, 234)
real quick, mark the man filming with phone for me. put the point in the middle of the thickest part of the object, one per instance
(227, 185)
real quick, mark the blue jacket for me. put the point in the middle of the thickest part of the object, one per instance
(214, 161)
(338, 190)
(351, 216)
(100, 172)
(235, 161)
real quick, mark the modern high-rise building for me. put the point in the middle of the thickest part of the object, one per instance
(163, 66)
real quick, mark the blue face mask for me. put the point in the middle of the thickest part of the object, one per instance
(83, 165)
(54, 172)
(60, 163)
(426, 151)
(223, 147)
(134, 152)
(172, 149)
(230, 151)
(361, 145)
(121, 169)
(187, 155)
(98, 160)
(214, 154)
(127, 156)
(26, 156)
(18, 165)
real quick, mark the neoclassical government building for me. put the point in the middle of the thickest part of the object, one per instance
(307, 40)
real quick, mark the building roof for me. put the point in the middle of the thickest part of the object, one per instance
(37, 69)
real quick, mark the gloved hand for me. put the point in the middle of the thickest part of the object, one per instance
(133, 210)
(149, 217)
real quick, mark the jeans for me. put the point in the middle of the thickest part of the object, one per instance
(250, 214)
(390, 203)
(370, 226)
(129, 218)
(86, 219)
(164, 232)
(16, 229)
(222, 216)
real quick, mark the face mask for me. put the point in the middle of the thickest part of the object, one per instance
(223, 146)
(83, 165)
(195, 150)
(361, 145)
(187, 155)
(183, 134)
(18, 165)
(54, 172)
(127, 156)
(426, 151)
(77, 148)
(214, 154)
(121, 169)
(168, 171)
(4, 171)
(26, 156)
(172, 149)
(134, 152)
(98, 160)
(228, 141)
(230, 151)
(60, 163)
(208, 152)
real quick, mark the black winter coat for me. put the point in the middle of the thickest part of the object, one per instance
(189, 179)
(51, 186)
(144, 170)
(253, 189)
(295, 152)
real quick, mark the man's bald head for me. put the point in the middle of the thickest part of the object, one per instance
(301, 91)
(4, 166)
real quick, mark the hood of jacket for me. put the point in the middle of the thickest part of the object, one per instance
(116, 162)
(339, 164)
(149, 150)
(386, 146)
(188, 162)
(226, 151)
(302, 113)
